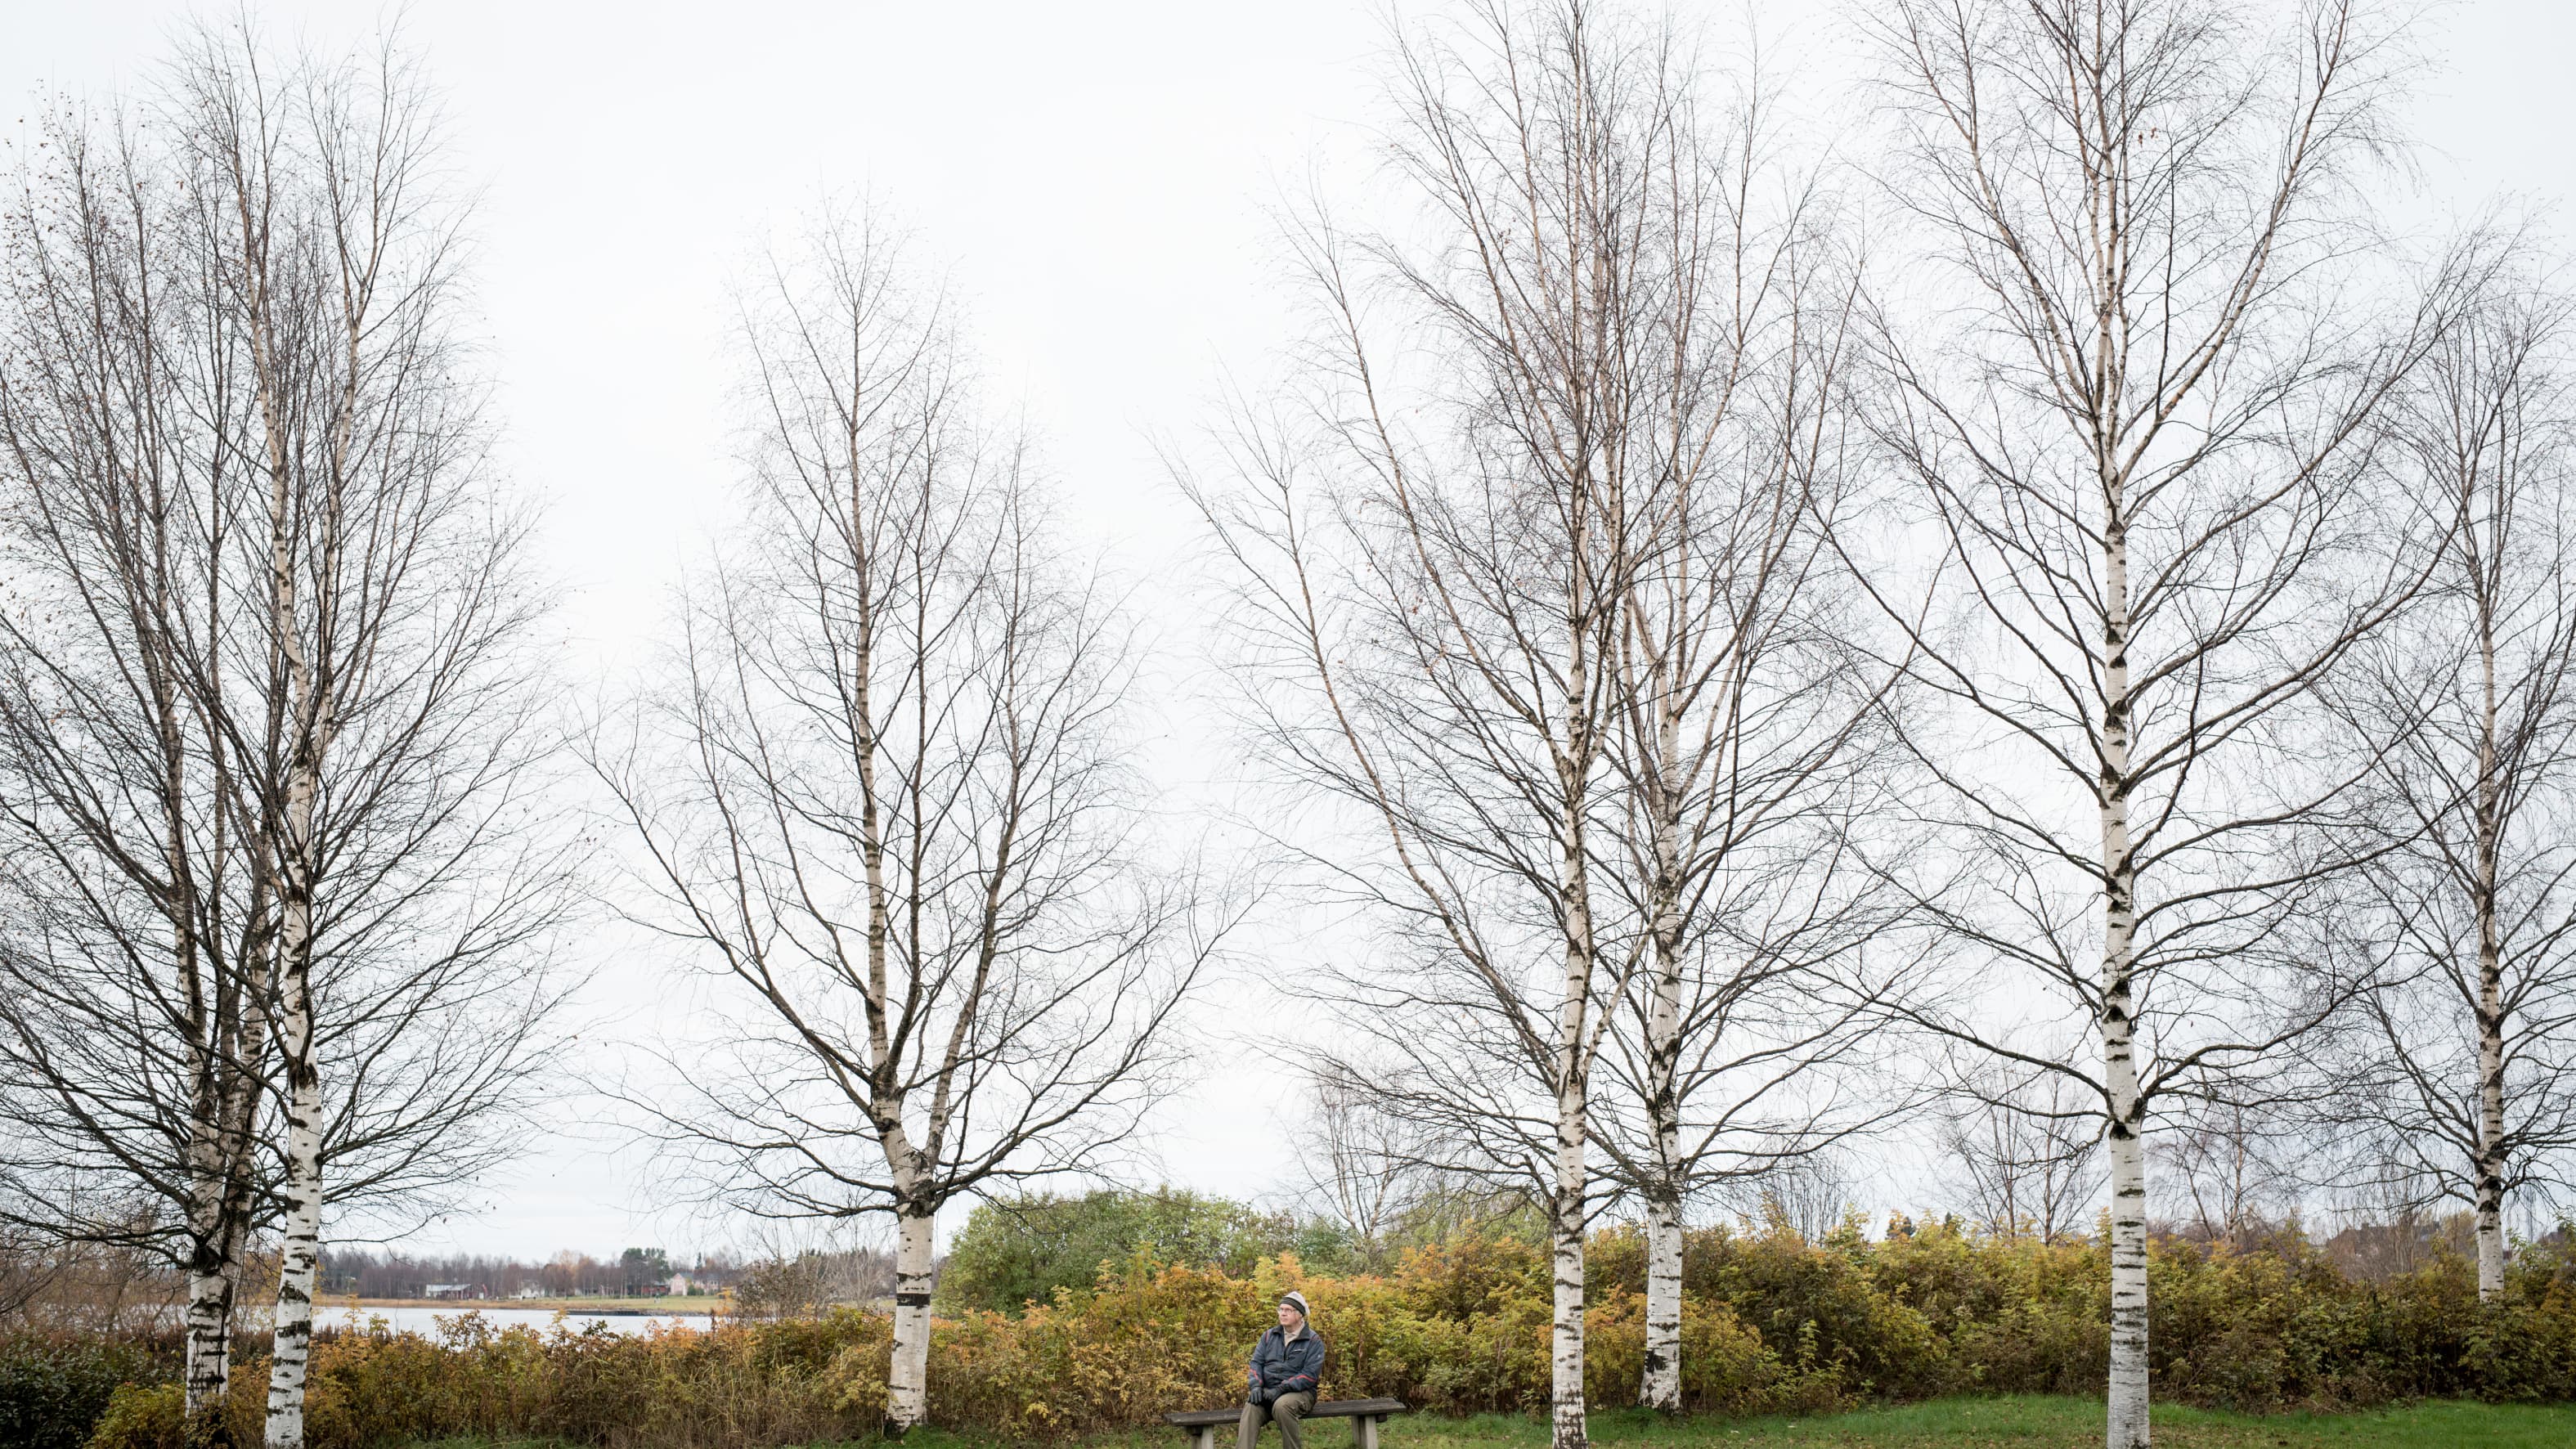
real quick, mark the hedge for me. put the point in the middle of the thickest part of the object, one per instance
(1770, 1323)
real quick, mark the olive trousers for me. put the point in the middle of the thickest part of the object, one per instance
(1284, 1411)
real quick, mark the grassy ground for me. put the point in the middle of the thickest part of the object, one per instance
(2003, 1423)
(2029, 1423)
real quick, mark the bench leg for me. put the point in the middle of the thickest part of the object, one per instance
(1364, 1430)
(1203, 1437)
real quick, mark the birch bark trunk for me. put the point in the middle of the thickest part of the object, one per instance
(2127, 1426)
(218, 1214)
(1566, 1226)
(1573, 1104)
(211, 1277)
(301, 1248)
(304, 714)
(1662, 1386)
(2490, 1163)
(908, 1376)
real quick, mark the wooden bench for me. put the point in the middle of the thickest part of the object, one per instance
(1365, 1415)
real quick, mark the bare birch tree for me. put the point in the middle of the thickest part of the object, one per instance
(2468, 1082)
(134, 962)
(1363, 1165)
(1749, 748)
(2227, 1167)
(321, 602)
(2149, 450)
(2022, 1149)
(1434, 544)
(888, 793)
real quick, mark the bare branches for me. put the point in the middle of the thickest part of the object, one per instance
(887, 792)
(2021, 1145)
(2466, 708)
(274, 737)
(1535, 609)
(2152, 451)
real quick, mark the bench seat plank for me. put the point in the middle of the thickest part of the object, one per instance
(1365, 1416)
(1329, 1409)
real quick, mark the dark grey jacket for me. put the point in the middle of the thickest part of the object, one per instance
(1281, 1367)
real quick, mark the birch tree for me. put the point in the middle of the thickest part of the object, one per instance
(265, 549)
(2468, 1080)
(1748, 747)
(388, 712)
(2150, 450)
(134, 965)
(2022, 1150)
(1433, 540)
(1362, 1168)
(887, 793)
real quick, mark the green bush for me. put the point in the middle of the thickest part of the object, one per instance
(53, 1388)
(1020, 1251)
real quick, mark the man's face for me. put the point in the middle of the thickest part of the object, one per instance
(1290, 1320)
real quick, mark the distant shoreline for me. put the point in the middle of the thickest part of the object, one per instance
(691, 1307)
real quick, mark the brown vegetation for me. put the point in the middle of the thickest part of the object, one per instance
(1770, 1323)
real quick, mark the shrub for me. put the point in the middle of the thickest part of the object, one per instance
(141, 1418)
(1021, 1251)
(53, 1387)
(1769, 1324)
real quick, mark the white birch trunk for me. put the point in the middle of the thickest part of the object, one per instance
(2127, 1426)
(1567, 1214)
(310, 729)
(2490, 1163)
(1663, 1386)
(208, 1369)
(301, 1249)
(1566, 1228)
(2128, 1387)
(1573, 1105)
(2490, 824)
(218, 1218)
(908, 1376)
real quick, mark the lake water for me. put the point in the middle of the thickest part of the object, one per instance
(423, 1318)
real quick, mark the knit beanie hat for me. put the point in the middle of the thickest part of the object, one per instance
(1297, 1300)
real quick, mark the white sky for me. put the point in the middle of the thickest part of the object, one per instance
(1095, 174)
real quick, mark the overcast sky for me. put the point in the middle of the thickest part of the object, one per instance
(1094, 175)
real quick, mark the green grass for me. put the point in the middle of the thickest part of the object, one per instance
(2000, 1423)
(2025, 1423)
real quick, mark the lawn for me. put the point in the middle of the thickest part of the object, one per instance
(2025, 1423)
(2001, 1423)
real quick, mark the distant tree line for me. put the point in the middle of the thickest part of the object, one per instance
(392, 1273)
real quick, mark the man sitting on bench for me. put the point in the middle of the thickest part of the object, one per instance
(1286, 1366)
